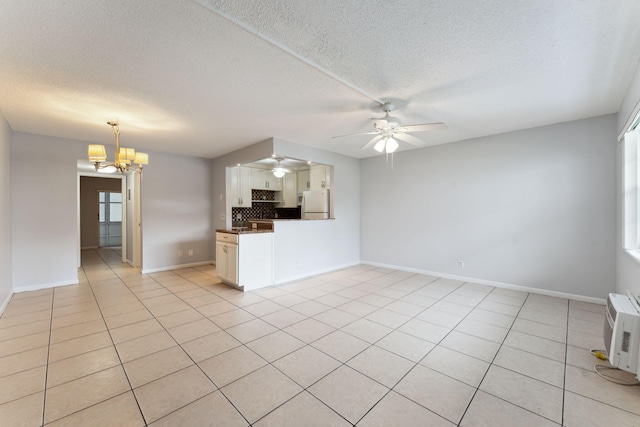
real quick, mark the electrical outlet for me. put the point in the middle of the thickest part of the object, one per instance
(179, 253)
(460, 263)
(190, 252)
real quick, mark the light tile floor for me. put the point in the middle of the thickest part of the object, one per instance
(361, 346)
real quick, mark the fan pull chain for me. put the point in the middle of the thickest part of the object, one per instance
(391, 160)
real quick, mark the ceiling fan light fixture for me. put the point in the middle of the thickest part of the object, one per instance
(391, 146)
(278, 172)
(379, 147)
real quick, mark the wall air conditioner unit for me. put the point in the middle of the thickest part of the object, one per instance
(622, 332)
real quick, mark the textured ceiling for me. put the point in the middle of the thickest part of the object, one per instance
(206, 77)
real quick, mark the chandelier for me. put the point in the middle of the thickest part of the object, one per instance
(125, 157)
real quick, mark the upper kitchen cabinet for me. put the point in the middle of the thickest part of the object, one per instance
(289, 191)
(320, 177)
(240, 187)
(303, 180)
(263, 179)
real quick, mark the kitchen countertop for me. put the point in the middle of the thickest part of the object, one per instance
(288, 219)
(243, 230)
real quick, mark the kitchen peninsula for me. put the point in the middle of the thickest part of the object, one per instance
(254, 256)
(244, 256)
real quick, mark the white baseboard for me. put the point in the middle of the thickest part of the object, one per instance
(547, 292)
(5, 303)
(176, 267)
(315, 273)
(44, 286)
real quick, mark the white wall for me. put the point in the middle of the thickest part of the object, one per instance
(321, 245)
(220, 209)
(533, 208)
(176, 212)
(6, 279)
(44, 210)
(627, 269)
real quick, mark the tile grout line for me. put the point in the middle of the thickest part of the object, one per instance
(373, 344)
(391, 389)
(436, 345)
(310, 344)
(493, 360)
(46, 371)
(564, 371)
(182, 348)
(341, 364)
(112, 342)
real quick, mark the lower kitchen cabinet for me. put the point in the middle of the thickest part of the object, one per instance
(227, 262)
(245, 260)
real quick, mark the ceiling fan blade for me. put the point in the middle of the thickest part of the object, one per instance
(372, 142)
(355, 134)
(423, 127)
(410, 139)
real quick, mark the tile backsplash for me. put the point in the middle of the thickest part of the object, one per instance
(263, 206)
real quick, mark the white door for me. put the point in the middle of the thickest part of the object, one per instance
(133, 220)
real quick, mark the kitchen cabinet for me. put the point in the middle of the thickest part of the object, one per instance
(245, 260)
(289, 191)
(240, 187)
(263, 179)
(227, 257)
(320, 177)
(303, 180)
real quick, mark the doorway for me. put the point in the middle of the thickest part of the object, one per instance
(110, 219)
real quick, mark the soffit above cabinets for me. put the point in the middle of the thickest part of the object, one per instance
(287, 163)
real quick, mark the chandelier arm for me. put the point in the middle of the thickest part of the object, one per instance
(116, 132)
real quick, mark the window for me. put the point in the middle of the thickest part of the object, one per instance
(631, 190)
(110, 218)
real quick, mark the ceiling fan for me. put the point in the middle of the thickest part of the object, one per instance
(388, 129)
(278, 170)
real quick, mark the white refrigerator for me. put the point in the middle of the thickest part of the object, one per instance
(315, 204)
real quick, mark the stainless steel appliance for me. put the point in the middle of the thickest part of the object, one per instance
(315, 204)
